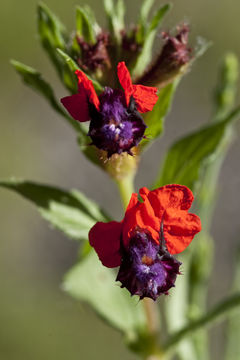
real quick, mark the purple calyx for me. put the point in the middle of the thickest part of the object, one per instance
(115, 128)
(147, 269)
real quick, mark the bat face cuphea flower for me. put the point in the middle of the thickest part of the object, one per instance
(116, 125)
(144, 242)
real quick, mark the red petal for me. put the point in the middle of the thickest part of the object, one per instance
(179, 229)
(105, 239)
(145, 97)
(133, 201)
(87, 84)
(170, 196)
(140, 216)
(77, 106)
(125, 80)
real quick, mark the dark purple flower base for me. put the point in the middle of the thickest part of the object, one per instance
(116, 128)
(147, 269)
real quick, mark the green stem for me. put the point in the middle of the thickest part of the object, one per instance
(126, 188)
(151, 315)
(217, 312)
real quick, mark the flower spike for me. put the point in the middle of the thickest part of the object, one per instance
(143, 243)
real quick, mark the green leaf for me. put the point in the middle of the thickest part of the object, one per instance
(72, 66)
(70, 212)
(52, 32)
(187, 157)
(219, 312)
(155, 119)
(233, 326)
(84, 25)
(97, 29)
(142, 22)
(145, 8)
(34, 79)
(115, 15)
(146, 54)
(202, 254)
(53, 35)
(227, 85)
(91, 282)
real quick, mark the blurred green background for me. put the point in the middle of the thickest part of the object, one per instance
(37, 320)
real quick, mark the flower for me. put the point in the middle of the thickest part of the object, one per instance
(143, 243)
(115, 121)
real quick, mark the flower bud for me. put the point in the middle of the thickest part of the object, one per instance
(95, 56)
(172, 60)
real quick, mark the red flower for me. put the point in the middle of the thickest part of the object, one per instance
(116, 125)
(163, 213)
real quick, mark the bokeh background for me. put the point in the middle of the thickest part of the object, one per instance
(37, 320)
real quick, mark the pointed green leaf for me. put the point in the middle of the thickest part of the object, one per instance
(187, 157)
(53, 35)
(84, 26)
(52, 32)
(34, 79)
(73, 67)
(70, 212)
(97, 29)
(155, 118)
(120, 12)
(115, 15)
(91, 282)
(227, 86)
(145, 8)
(142, 22)
(145, 56)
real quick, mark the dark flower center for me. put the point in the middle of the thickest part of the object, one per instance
(147, 269)
(116, 128)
